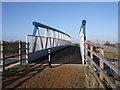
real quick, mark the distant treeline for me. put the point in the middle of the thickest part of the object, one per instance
(113, 45)
(17, 41)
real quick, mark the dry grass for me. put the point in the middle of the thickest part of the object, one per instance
(108, 55)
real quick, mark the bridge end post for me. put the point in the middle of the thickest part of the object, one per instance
(82, 40)
(49, 57)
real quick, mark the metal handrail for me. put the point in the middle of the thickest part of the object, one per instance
(48, 27)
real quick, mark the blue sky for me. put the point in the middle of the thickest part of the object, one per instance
(101, 17)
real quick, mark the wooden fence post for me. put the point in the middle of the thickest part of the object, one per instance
(91, 55)
(101, 62)
(86, 52)
(2, 56)
(20, 52)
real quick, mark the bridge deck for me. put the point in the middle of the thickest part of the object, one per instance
(68, 55)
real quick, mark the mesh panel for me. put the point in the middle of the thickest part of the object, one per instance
(39, 43)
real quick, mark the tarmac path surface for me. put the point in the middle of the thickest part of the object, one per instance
(68, 55)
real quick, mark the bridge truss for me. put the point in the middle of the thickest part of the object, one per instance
(39, 45)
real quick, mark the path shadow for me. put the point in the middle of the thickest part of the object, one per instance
(25, 72)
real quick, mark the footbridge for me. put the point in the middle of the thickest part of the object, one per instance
(59, 50)
(53, 39)
(51, 46)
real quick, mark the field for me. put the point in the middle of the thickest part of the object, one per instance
(107, 54)
(11, 49)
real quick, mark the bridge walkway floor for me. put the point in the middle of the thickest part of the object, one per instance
(68, 55)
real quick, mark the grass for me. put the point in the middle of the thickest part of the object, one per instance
(12, 46)
(108, 55)
(74, 82)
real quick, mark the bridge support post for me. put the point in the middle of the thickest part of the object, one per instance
(49, 58)
(101, 62)
(91, 55)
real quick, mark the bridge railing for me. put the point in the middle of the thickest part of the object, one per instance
(38, 44)
(43, 42)
(103, 76)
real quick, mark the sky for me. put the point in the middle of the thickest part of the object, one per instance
(101, 17)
